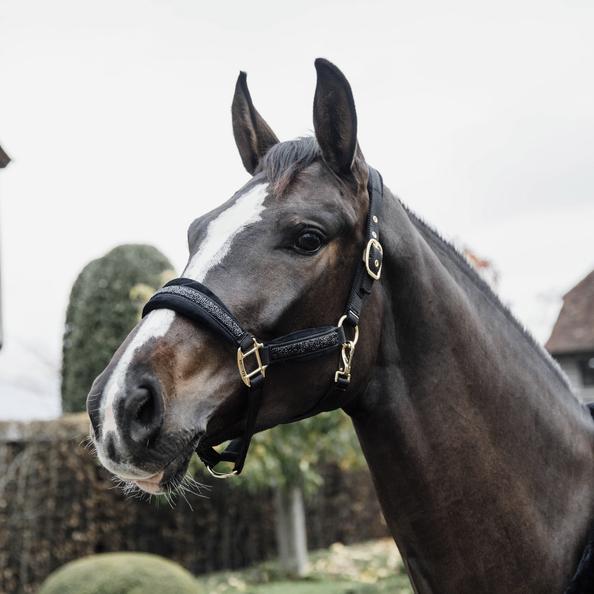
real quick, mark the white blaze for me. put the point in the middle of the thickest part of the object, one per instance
(219, 237)
(222, 230)
(155, 325)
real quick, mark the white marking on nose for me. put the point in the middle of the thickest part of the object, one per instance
(154, 325)
(222, 230)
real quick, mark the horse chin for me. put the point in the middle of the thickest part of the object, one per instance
(169, 479)
(165, 479)
(150, 484)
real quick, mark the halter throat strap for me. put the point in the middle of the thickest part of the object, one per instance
(198, 303)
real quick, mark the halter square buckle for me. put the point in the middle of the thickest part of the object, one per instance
(245, 376)
(377, 245)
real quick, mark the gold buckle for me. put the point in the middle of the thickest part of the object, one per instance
(347, 359)
(376, 243)
(245, 376)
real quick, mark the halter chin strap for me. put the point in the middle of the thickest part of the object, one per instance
(195, 301)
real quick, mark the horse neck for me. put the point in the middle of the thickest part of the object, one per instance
(478, 449)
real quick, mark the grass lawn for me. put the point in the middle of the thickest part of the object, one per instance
(366, 568)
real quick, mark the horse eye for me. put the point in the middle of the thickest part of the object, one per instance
(308, 242)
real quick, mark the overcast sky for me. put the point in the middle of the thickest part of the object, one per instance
(480, 117)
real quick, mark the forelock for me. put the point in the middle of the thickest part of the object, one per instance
(283, 162)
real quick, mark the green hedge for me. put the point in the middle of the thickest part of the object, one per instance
(58, 504)
(105, 304)
(120, 573)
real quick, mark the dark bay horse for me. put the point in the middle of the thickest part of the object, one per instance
(481, 455)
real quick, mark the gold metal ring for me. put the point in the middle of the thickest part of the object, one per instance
(354, 341)
(221, 475)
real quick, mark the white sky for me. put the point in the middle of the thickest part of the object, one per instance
(480, 116)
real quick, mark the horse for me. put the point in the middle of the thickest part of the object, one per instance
(479, 451)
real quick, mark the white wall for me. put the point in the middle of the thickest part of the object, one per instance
(571, 368)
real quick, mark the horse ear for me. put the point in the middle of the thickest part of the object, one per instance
(335, 118)
(253, 135)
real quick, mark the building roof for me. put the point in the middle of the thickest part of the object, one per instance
(574, 330)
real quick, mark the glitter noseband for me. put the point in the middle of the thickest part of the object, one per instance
(195, 301)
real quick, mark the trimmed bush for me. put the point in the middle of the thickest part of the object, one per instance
(120, 573)
(105, 304)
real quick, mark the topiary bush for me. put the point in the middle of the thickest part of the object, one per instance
(120, 573)
(105, 304)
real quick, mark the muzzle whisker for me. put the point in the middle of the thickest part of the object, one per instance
(193, 486)
(189, 489)
(170, 500)
(88, 444)
(129, 488)
(131, 493)
(183, 494)
(117, 482)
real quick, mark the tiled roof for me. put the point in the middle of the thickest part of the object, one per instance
(574, 329)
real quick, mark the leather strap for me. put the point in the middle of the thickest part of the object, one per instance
(372, 256)
(197, 302)
(236, 451)
(303, 345)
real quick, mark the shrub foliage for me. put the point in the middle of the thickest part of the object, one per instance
(120, 573)
(105, 304)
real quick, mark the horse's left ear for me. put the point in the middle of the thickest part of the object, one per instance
(253, 135)
(335, 118)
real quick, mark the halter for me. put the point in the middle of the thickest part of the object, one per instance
(195, 301)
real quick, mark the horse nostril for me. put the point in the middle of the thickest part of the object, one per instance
(144, 415)
(145, 410)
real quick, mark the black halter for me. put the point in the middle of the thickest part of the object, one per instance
(197, 302)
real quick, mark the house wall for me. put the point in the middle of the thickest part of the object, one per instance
(572, 370)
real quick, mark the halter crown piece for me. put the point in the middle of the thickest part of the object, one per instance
(195, 301)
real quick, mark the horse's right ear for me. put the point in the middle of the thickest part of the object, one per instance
(253, 135)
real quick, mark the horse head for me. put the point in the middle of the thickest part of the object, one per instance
(281, 254)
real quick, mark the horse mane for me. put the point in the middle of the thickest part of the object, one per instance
(454, 255)
(283, 162)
